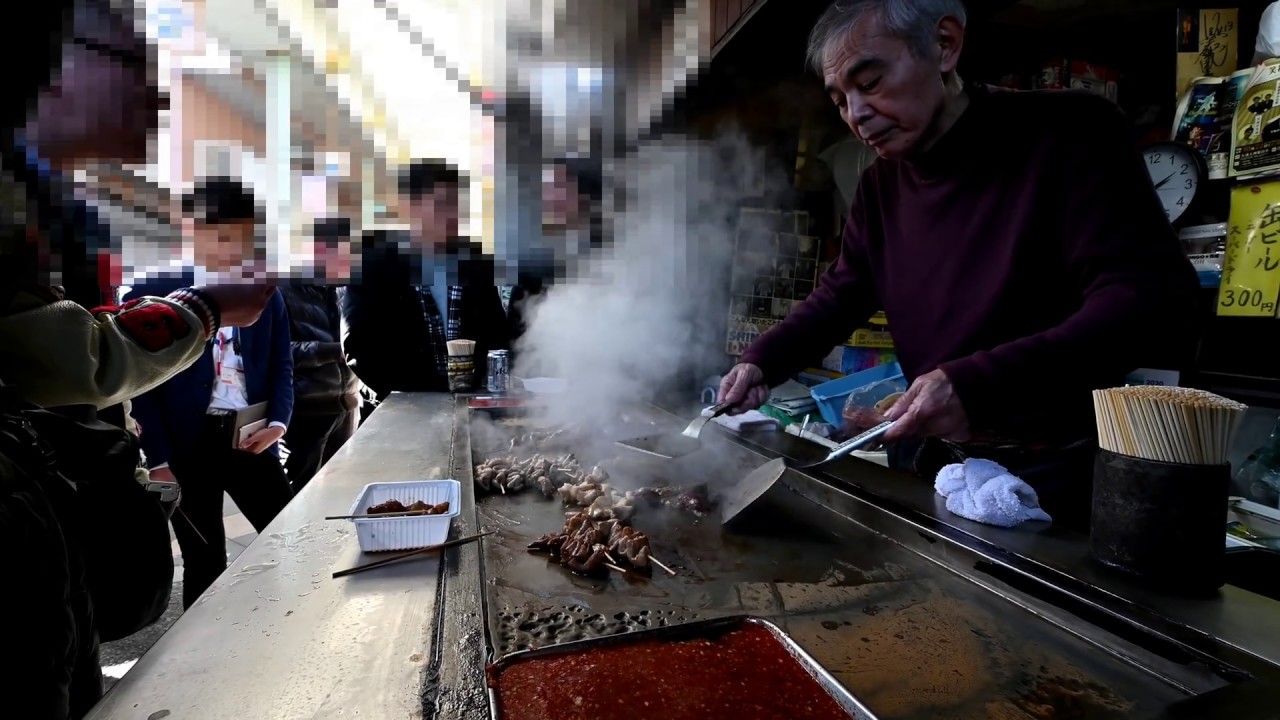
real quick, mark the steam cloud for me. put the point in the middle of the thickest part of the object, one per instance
(649, 313)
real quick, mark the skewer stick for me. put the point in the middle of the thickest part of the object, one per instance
(613, 567)
(662, 565)
(411, 553)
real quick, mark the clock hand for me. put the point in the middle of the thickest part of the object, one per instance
(1165, 181)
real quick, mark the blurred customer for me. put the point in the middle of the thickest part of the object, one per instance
(415, 290)
(572, 191)
(188, 424)
(76, 88)
(326, 392)
(88, 98)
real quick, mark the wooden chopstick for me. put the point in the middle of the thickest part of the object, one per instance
(411, 553)
(406, 513)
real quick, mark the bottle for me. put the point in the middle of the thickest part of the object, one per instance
(1259, 476)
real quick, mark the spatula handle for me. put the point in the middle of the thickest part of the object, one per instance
(720, 409)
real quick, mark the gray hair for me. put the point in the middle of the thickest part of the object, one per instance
(913, 21)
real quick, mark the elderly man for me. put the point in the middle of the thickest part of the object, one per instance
(1019, 266)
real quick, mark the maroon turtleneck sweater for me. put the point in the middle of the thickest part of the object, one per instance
(1025, 254)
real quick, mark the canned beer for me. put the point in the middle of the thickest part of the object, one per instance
(499, 371)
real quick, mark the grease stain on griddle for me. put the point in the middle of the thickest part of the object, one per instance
(1069, 698)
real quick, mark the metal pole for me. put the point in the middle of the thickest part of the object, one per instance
(279, 159)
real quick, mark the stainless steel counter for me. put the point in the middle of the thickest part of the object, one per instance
(277, 638)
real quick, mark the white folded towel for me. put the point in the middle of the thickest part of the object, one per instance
(985, 492)
(750, 420)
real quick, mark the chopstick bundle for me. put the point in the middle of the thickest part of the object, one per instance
(461, 348)
(1167, 424)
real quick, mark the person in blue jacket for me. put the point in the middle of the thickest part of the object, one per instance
(187, 426)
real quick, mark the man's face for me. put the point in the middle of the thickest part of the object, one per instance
(102, 103)
(434, 215)
(221, 246)
(891, 99)
(561, 203)
(333, 259)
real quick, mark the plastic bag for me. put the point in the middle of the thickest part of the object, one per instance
(1267, 44)
(866, 406)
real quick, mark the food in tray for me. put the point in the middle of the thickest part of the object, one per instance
(420, 507)
(585, 545)
(745, 673)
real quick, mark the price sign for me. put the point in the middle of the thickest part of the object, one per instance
(1251, 271)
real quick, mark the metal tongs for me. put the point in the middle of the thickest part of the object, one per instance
(860, 440)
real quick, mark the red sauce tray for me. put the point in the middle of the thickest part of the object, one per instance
(495, 402)
(499, 406)
(735, 668)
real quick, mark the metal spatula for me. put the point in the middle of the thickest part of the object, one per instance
(762, 480)
(670, 446)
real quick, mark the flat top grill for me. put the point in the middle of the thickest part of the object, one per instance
(909, 638)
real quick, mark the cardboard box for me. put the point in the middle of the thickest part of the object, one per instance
(868, 338)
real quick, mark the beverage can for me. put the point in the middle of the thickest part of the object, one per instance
(499, 371)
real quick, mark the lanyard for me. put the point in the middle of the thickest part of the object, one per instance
(219, 350)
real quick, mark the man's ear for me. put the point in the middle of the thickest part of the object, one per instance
(950, 41)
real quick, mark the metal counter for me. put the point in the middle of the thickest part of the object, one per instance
(919, 613)
(275, 638)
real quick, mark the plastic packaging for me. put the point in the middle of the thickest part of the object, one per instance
(866, 406)
(1267, 44)
(831, 396)
(1259, 476)
(405, 533)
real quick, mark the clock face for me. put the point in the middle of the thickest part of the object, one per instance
(1176, 173)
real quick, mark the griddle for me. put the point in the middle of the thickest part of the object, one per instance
(910, 638)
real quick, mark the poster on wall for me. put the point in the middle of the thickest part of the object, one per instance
(1255, 134)
(1207, 44)
(1205, 116)
(775, 267)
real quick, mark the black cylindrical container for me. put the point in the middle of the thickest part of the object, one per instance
(1163, 523)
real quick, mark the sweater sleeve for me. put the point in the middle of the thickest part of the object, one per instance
(1138, 290)
(843, 299)
(59, 353)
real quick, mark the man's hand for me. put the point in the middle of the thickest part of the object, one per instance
(164, 475)
(239, 305)
(743, 389)
(261, 440)
(930, 408)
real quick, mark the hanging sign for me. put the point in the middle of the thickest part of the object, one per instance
(1251, 271)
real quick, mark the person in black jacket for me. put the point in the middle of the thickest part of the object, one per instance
(571, 194)
(415, 290)
(326, 393)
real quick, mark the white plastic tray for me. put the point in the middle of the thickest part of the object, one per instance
(411, 532)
